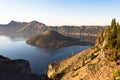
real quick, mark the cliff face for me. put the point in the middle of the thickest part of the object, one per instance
(30, 29)
(11, 27)
(84, 33)
(101, 62)
(15, 70)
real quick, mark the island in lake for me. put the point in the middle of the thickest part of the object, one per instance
(53, 39)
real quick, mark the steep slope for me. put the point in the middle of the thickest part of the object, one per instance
(84, 33)
(15, 24)
(12, 27)
(52, 39)
(101, 62)
(15, 70)
(30, 29)
(31, 26)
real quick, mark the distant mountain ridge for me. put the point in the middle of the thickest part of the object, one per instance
(15, 23)
(32, 24)
(30, 29)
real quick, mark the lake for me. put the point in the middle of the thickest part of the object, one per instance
(39, 58)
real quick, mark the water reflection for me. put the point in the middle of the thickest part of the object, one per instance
(39, 58)
(15, 39)
(4, 38)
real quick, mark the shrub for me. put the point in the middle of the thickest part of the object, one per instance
(114, 56)
(75, 69)
(83, 62)
(116, 75)
(92, 56)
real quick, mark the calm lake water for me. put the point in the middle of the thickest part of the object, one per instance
(39, 58)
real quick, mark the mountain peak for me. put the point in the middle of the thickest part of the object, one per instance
(32, 25)
(15, 23)
(35, 22)
(12, 22)
(50, 32)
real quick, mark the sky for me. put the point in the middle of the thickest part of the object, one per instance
(60, 12)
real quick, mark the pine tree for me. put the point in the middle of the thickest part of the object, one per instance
(112, 34)
(118, 38)
(113, 23)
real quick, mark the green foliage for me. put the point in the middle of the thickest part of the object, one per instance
(118, 44)
(114, 56)
(118, 38)
(101, 37)
(92, 56)
(113, 23)
(83, 62)
(116, 75)
(110, 38)
(113, 35)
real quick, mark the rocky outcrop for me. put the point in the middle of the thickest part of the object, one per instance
(101, 62)
(25, 66)
(15, 70)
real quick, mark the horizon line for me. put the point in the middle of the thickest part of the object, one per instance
(53, 25)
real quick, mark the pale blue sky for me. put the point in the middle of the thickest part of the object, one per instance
(60, 12)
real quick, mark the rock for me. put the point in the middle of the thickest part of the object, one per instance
(101, 62)
(52, 69)
(3, 59)
(16, 70)
(23, 64)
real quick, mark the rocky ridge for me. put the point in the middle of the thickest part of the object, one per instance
(33, 28)
(101, 62)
